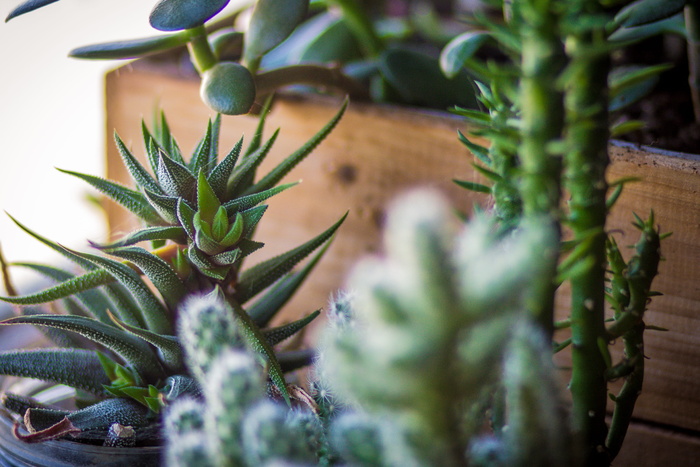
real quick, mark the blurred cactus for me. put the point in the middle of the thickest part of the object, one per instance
(235, 422)
(404, 361)
(434, 324)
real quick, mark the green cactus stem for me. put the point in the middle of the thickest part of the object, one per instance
(586, 160)
(542, 115)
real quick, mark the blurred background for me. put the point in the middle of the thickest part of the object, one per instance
(51, 115)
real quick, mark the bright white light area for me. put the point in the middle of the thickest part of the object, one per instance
(52, 115)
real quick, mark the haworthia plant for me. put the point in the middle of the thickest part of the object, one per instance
(199, 216)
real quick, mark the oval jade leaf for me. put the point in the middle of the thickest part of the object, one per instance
(418, 80)
(228, 88)
(271, 23)
(648, 11)
(175, 15)
(130, 48)
(459, 50)
(28, 6)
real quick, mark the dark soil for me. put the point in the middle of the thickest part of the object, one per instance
(667, 111)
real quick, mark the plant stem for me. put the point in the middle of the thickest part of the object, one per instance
(692, 26)
(586, 160)
(200, 51)
(361, 26)
(313, 75)
(542, 119)
(627, 397)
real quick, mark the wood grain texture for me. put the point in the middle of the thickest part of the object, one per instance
(377, 152)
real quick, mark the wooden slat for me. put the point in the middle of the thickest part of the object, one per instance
(378, 151)
(648, 446)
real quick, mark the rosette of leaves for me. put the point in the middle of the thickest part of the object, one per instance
(200, 216)
(227, 59)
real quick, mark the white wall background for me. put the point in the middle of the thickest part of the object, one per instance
(52, 115)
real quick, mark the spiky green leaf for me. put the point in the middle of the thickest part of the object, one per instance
(165, 206)
(244, 203)
(276, 174)
(218, 178)
(175, 179)
(207, 202)
(472, 186)
(152, 310)
(65, 289)
(76, 368)
(201, 157)
(226, 258)
(258, 135)
(93, 300)
(138, 173)
(171, 352)
(479, 151)
(250, 218)
(244, 174)
(130, 199)
(264, 309)
(134, 351)
(205, 266)
(262, 275)
(176, 234)
(160, 273)
(276, 335)
(257, 341)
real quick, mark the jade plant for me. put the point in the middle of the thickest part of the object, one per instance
(227, 59)
(118, 345)
(336, 44)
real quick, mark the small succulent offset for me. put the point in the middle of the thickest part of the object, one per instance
(199, 216)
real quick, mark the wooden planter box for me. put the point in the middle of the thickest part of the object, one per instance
(377, 152)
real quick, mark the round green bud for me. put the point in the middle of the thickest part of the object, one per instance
(228, 88)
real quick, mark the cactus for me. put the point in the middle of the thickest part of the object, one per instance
(234, 422)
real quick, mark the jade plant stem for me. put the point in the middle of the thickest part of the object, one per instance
(586, 160)
(316, 75)
(361, 26)
(200, 50)
(542, 118)
(692, 26)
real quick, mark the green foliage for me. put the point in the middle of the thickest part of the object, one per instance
(271, 23)
(347, 45)
(547, 114)
(235, 423)
(228, 88)
(175, 15)
(202, 214)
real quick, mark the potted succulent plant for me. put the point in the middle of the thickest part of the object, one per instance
(199, 216)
